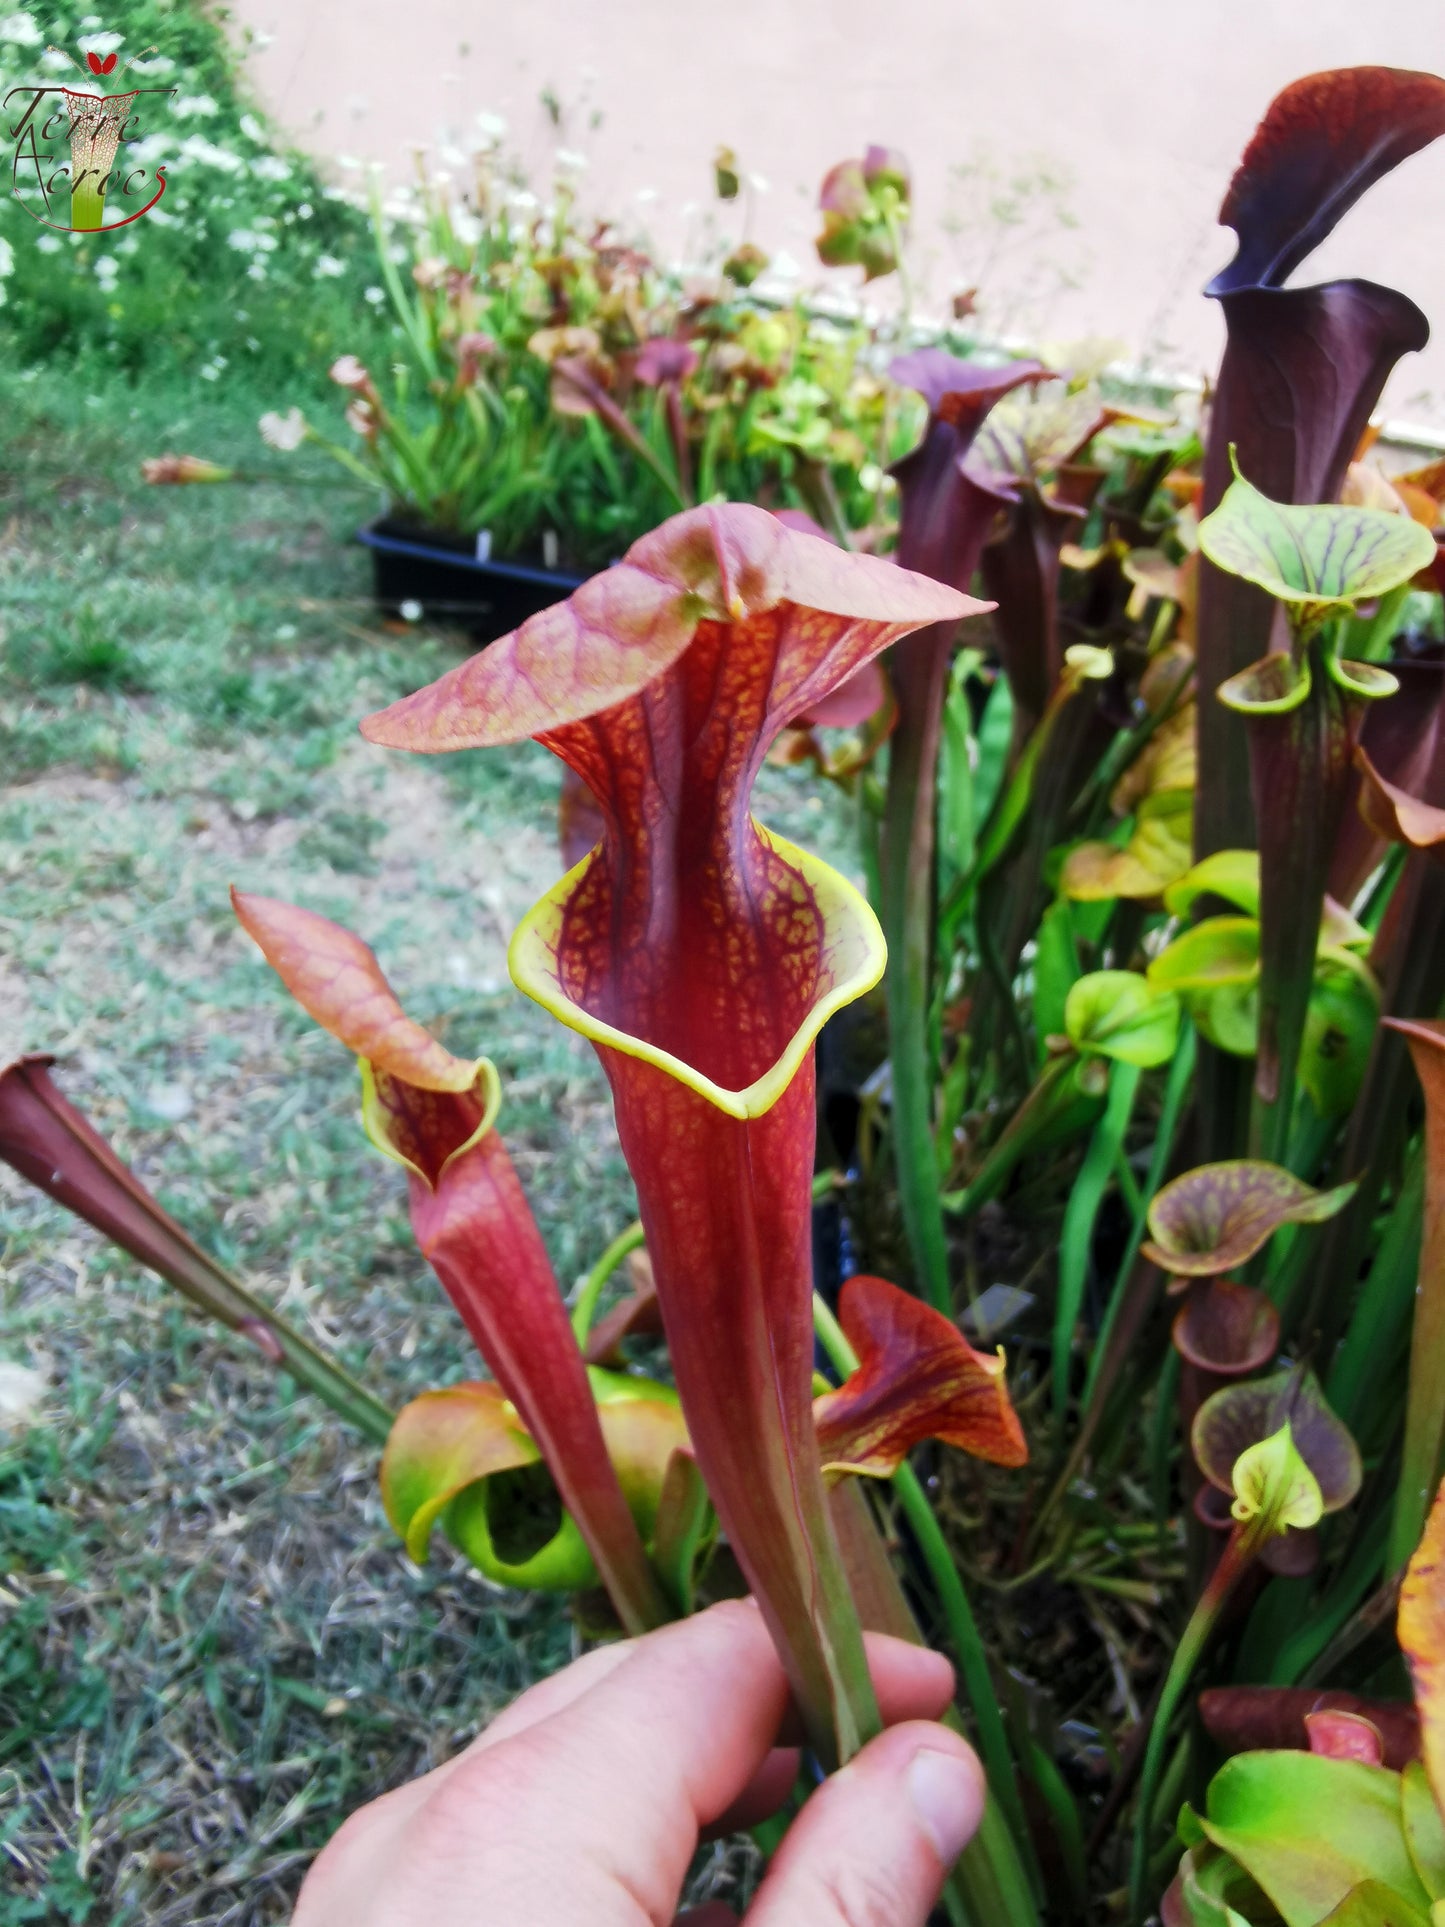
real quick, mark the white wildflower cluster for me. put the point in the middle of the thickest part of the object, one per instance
(206, 154)
(7, 263)
(20, 30)
(252, 240)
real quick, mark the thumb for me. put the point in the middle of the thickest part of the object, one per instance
(873, 1846)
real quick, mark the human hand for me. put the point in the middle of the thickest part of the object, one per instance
(582, 1804)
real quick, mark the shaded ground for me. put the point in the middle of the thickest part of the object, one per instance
(211, 1646)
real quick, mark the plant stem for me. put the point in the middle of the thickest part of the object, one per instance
(1300, 773)
(989, 1878)
(908, 870)
(1176, 1090)
(1043, 1105)
(1425, 1399)
(963, 1632)
(593, 1285)
(1187, 1654)
(968, 1647)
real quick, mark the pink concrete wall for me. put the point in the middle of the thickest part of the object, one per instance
(1141, 106)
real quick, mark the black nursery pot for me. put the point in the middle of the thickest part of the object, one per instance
(444, 575)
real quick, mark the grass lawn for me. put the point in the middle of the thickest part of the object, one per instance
(211, 1645)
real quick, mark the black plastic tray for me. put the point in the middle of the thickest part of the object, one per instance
(443, 575)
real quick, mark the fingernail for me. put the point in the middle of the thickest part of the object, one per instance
(944, 1792)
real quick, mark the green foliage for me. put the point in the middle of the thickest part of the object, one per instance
(248, 260)
(1317, 559)
(1119, 1014)
(1308, 1830)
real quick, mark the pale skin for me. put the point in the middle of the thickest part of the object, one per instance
(585, 1800)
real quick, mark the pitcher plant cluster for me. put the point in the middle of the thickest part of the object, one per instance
(1140, 724)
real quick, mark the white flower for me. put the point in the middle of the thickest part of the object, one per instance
(162, 64)
(327, 265)
(196, 148)
(90, 20)
(252, 128)
(200, 105)
(153, 147)
(285, 432)
(569, 159)
(349, 371)
(100, 43)
(270, 167)
(55, 63)
(256, 271)
(305, 211)
(409, 611)
(106, 267)
(20, 30)
(7, 257)
(375, 296)
(491, 127)
(47, 244)
(210, 374)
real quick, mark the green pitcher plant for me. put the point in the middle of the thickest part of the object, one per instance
(1331, 1833)
(1303, 709)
